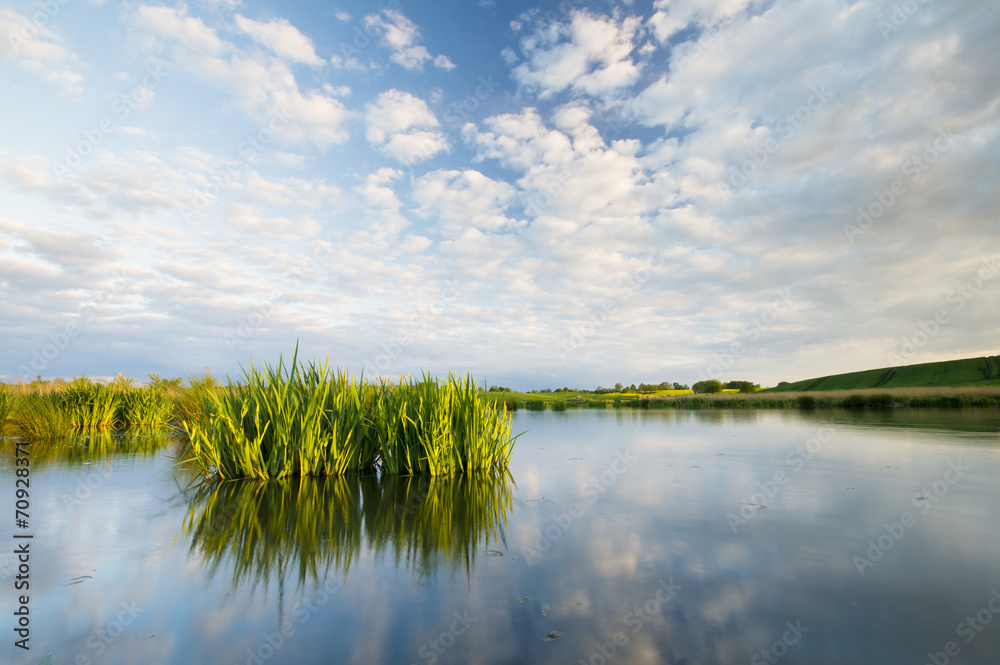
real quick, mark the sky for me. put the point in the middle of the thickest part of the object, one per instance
(539, 194)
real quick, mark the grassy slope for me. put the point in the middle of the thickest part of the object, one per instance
(966, 372)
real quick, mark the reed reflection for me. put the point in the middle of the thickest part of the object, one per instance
(91, 448)
(316, 526)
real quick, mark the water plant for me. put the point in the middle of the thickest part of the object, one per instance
(149, 408)
(304, 420)
(40, 417)
(8, 404)
(90, 406)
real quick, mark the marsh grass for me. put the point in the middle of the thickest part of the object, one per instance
(8, 405)
(40, 417)
(304, 420)
(144, 408)
(90, 406)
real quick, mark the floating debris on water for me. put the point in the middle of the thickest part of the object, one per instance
(554, 635)
(78, 580)
(524, 598)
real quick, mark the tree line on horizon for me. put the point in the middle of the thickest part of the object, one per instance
(708, 387)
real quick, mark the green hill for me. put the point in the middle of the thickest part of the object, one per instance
(967, 372)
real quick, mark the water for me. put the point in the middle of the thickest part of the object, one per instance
(640, 537)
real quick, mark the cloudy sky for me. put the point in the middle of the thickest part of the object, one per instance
(542, 194)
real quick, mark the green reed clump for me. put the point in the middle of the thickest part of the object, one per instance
(40, 417)
(147, 408)
(301, 421)
(535, 405)
(90, 406)
(8, 404)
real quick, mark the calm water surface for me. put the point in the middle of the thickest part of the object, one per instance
(638, 537)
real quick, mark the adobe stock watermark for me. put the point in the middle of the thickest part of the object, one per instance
(38, 21)
(761, 153)
(883, 199)
(901, 14)
(930, 496)
(960, 295)
(970, 627)
(85, 488)
(303, 610)
(363, 37)
(433, 648)
(60, 340)
(246, 326)
(249, 324)
(777, 650)
(796, 460)
(689, 51)
(122, 107)
(248, 149)
(624, 290)
(419, 321)
(223, 8)
(635, 620)
(457, 113)
(590, 493)
(102, 639)
(749, 333)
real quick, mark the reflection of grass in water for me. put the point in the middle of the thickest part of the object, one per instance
(265, 529)
(96, 447)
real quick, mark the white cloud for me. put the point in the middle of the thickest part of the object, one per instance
(40, 52)
(403, 128)
(402, 37)
(263, 86)
(444, 62)
(590, 54)
(671, 16)
(281, 38)
(462, 199)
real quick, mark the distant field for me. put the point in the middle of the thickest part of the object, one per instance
(974, 372)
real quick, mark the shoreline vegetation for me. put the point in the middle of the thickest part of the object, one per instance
(309, 420)
(943, 397)
(282, 421)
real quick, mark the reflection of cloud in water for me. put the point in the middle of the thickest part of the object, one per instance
(662, 519)
(791, 562)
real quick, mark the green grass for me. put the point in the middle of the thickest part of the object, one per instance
(8, 404)
(307, 420)
(950, 373)
(40, 417)
(90, 406)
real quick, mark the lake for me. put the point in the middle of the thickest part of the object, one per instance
(617, 536)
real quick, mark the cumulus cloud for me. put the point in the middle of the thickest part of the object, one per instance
(40, 52)
(281, 38)
(403, 128)
(262, 86)
(588, 54)
(462, 199)
(402, 37)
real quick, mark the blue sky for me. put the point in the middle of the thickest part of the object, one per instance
(542, 194)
